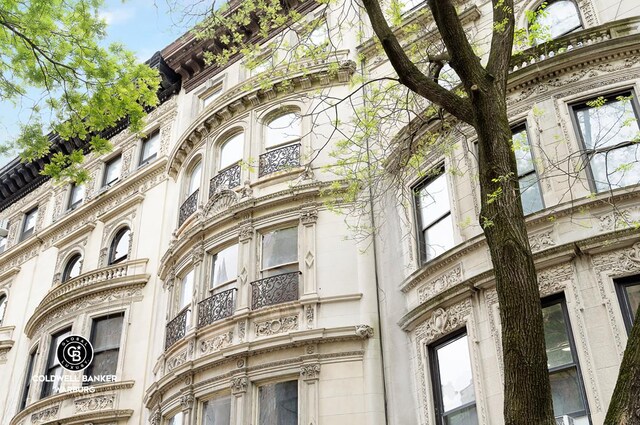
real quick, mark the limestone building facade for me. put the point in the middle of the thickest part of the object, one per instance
(216, 286)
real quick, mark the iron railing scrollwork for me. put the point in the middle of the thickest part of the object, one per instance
(226, 179)
(279, 159)
(176, 329)
(188, 207)
(272, 290)
(216, 307)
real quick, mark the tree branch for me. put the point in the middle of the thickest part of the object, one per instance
(409, 74)
(501, 40)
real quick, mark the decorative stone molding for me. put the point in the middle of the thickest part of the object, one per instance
(241, 330)
(245, 233)
(186, 401)
(239, 385)
(216, 343)
(438, 285)
(310, 371)
(619, 219)
(364, 331)
(309, 316)
(309, 259)
(220, 202)
(541, 240)
(177, 360)
(197, 254)
(94, 403)
(45, 415)
(309, 216)
(154, 417)
(277, 326)
(554, 279)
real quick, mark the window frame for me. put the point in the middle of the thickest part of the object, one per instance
(68, 267)
(221, 144)
(4, 300)
(517, 128)
(26, 386)
(73, 205)
(549, 3)
(107, 165)
(217, 396)
(48, 387)
(628, 315)
(111, 260)
(208, 96)
(263, 269)
(587, 153)
(434, 369)
(275, 115)
(94, 322)
(279, 380)
(197, 163)
(422, 247)
(26, 233)
(226, 284)
(154, 134)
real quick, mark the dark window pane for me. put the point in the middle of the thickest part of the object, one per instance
(3, 307)
(633, 294)
(29, 223)
(217, 411)
(54, 369)
(279, 404)
(27, 380)
(225, 266)
(566, 392)
(72, 269)
(279, 247)
(530, 193)
(465, 416)
(76, 196)
(104, 363)
(120, 246)
(106, 333)
(556, 337)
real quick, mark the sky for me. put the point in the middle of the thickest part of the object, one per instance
(143, 26)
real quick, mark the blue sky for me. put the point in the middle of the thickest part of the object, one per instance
(143, 26)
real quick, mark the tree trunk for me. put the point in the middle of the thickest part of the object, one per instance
(527, 392)
(624, 408)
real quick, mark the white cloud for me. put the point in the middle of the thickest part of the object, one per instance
(117, 16)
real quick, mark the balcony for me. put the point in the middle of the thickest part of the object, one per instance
(176, 328)
(226, 179)
(279, 159)
(216, 307)
(274, 290)
(188, 207)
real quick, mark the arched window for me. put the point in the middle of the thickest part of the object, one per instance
(194, 179)
(231, 151)
(119, 249)
(282, 130)
(556, 18)
(3, 307)
(72, 268)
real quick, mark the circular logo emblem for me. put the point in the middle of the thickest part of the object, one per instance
(74, 353)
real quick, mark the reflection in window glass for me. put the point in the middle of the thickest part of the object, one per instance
(176, 419)
(105, 339)
(3, 307)
(558, 18)
(530, 194)
(76, 196)
(186, 290)
(120, 246)
(454, 382)
(54, 369)
(150, 148)
(448, 77)
(112, 171)
(194, 179)
(280, 251)
(284, 129)
(434, 214)
(72, 269)
(629, 296)
(29, 224)
(278, 404)
(217, 411)
(608, 128)
(212, 95)
(3, 243)
(27, 380)
(225, 266)
(231, 151)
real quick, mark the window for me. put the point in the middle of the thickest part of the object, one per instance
(3, 307)
(608, 127)
(119, 250)
(557, 18)
(27, 379)
(186, 294)
(448, 78)
(628, 289)
(283, 130)
(211, 95)
(112, 171)
(76, 196)
(176, 419)
(278, 404)
(434, 216)
(54, 369)
(105, 339)
(29, 223)
(231, 151)
(530, 194)
(217, 411)
(454, 395)
(3, 243)
(72, 268)
(150, 148)
(224, 266)
(280, 252)
(194, 179)
(567, 390)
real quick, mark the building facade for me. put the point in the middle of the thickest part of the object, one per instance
(216, 285)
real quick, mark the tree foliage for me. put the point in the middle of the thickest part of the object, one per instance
(56, 47)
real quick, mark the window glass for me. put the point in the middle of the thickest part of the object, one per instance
(434, 215)
(608, 128)
(231, 150)
(54, 370)
(558, 18)
(555, 337)
(150, 148)
(438, 238)
(105, 339)
(176, 419)
(628, 289)
(76, 196)
(225, 266)
(217, 411)
(211, 95)
(29, 224)
(280, 247)
(3, 243)
(3, 307)
(454, 382)
(72, 268)
(186, 290)
(278, 404)
(530, 194)
(112, 171)
(27, 379)
(448, 77)
(284, 129)
(120, 246)
(194, 179)
(633, 293)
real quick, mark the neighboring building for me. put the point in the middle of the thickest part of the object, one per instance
(217, 286)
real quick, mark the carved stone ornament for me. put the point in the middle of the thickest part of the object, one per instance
(197, 254)
(310, 371)
(309, 316)
(542, 240)
(553, 279)
(216, 343)
(154, 417)
(364, 331)
(239, 385)
(95, 403)
(277, 326)
(187, 401)
(245, 190)
(220, 202)
(245, 233)
(45, 415)
(177, 360)
(309, 216)
(240, 363)
(436, 286)
(443, 321)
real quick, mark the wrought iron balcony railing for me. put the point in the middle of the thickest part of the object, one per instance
(216, 307)
(188, 207)
(226, 179)
(279, 159)
(176, 329)
(274, 290)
